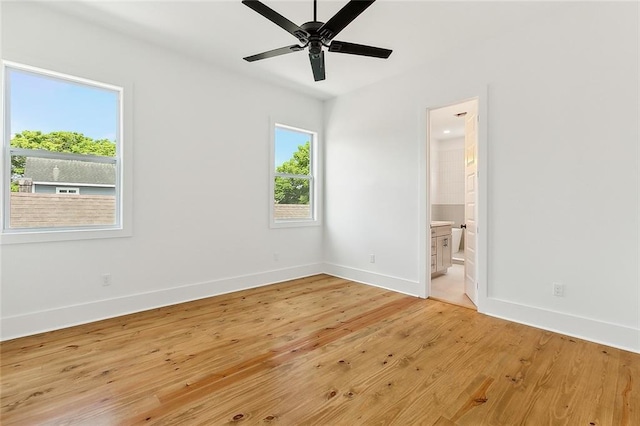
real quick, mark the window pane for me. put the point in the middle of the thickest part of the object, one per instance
(292, 196)
(57, 115)
(292, 151)
(62, 193)
(55, 122)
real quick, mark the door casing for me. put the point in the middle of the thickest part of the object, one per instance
(480, 95)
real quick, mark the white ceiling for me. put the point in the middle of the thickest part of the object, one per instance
(223, 32)
(445, 119)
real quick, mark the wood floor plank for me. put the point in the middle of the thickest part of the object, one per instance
(628, 389)
(320, 350)
(327, 370)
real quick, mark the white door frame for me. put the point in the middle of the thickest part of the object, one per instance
(480, 95)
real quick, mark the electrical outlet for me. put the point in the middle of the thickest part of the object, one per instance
(372, 258)
(558, 289)
(106, 279)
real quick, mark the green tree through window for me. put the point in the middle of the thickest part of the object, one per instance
(291, 190)
(69, 142)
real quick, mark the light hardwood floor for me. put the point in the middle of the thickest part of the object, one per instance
(319, 350)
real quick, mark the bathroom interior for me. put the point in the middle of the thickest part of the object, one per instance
(447, 199)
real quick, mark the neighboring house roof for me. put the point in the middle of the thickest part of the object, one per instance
(69, 171)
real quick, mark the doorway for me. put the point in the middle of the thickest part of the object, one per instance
(452, 211)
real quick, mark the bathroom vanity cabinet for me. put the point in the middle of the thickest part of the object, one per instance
(440, 247)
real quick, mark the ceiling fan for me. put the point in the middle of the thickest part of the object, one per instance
(316, 34)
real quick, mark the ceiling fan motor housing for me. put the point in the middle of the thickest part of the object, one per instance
(314, 40)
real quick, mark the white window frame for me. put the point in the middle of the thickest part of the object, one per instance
(123, 213)
(67, 190)
(313, 177)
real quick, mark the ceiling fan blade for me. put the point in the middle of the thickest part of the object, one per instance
(359, 49)
(274, 52)
(317, 66)
(343, 18)
(277, 19)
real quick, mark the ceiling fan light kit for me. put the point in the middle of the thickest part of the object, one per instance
(315, 34)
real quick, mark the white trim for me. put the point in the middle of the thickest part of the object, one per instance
(314, 177)
(637, 235)
(483, 227)
(480, 96)
(615, 335)
(5, 160)
(293, 223)
(124, 169)
(61, 76)
(388, 282)
(68, 316)
(424, 204)
(43, 236)
(5, 179)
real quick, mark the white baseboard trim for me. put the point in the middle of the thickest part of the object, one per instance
(614, 335)
(68, 316)
(387, 282)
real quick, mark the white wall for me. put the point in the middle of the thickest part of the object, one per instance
(561, 205)
(201, 159)
(448, 172)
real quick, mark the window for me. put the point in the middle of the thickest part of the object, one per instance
(67, 190)
(293, 176)
(62, 133)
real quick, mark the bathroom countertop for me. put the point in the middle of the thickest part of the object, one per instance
(436, 223)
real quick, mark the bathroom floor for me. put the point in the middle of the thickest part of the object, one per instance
(459, 256)
(449, 287)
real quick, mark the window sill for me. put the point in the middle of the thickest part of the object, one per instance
(294, 223)
(44, 236)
